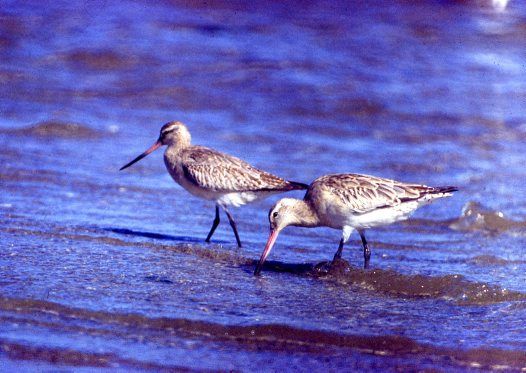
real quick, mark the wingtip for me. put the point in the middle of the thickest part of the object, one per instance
(298, 186)
(447, 189)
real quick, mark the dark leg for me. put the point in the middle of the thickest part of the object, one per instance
(214, 225)
(233, 225)
(338, 254)
(366, 250)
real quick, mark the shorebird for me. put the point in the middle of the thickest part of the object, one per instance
(350, 202)
(209, 174)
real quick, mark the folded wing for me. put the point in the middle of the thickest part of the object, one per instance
(221, 172)
(364, 193)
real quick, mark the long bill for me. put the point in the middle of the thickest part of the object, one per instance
(152, 148)
(271, 240)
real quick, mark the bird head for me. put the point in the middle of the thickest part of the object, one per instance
(280, 216)
(172, 133)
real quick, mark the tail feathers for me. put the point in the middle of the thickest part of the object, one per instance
(436, 192)
(297, 186)
(427, 194)
(444, 189)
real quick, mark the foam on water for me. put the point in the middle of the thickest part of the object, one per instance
(476, 217)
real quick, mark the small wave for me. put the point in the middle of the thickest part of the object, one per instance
(484, 260)
(450, 287)
(97, 59)
(182, 244)
(72, 357)
(57, 129)
(476, 217)
(272, 337)
(19, 351)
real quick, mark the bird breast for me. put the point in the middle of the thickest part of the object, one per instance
(174, 165)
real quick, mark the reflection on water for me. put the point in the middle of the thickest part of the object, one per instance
(105, 269)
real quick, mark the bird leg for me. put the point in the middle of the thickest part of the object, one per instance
(338, 254)
(366, 250)
(233, 225)
(214, 225)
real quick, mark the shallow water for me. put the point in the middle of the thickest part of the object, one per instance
(100, 268)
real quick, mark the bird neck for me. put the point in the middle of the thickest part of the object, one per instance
(305, 215)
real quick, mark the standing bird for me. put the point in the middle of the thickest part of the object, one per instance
(349, 202)
(212, 175)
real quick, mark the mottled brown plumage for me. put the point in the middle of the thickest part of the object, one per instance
(212, 175)
(364, 193)
(212, 170)
(349, 202)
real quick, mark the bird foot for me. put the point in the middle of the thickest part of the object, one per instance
(335, 267)
(339, 265)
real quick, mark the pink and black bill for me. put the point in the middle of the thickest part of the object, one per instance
(270, 243)
(154, 147)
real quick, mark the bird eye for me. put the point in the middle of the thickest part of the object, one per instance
(168, 130)
(275, 214)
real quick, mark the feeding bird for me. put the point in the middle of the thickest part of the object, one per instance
(350, 202)
(209, 174)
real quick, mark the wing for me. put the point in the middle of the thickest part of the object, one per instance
(210, 169)
(363, 193)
